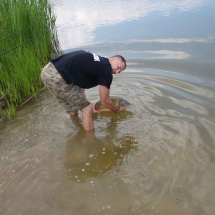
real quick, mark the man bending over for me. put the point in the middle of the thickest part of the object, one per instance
(67, 77)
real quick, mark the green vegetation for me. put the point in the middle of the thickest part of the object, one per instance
(28, 40)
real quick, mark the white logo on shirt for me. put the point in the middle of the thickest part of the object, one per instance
(96, 57)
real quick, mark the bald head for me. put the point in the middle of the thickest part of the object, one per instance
(121, 58)
(118, 64)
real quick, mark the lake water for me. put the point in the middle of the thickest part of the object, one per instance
(158, 156)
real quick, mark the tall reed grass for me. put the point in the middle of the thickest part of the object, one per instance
(28, 40)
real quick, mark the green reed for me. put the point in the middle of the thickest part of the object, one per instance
(28, 40)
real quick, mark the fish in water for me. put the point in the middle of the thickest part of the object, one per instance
(117, 101)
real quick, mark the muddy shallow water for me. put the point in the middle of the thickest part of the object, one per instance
(157, 157)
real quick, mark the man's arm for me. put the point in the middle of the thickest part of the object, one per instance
(104, 93)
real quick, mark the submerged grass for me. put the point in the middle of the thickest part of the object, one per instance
(28, 40)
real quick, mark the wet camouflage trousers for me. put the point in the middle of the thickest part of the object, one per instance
(68, 95)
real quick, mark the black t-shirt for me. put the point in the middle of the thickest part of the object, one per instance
(84, 69)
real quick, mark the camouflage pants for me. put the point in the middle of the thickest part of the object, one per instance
(67, 95)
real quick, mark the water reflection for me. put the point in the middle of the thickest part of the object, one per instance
(184, 86)
(82, 18)
(89, 154)
(190, 105)
(160, 153)
(167, 54)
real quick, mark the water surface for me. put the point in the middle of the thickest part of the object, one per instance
(157, 157)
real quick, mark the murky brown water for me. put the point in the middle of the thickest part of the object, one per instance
(158, 157)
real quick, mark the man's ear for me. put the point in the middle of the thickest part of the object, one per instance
(111, 59)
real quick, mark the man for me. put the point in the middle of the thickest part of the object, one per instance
(67, 77)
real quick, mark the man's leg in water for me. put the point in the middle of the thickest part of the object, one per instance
(87, 117)
(87, 112)
(53, 80)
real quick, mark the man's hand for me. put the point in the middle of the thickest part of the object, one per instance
(105, 100)
(121, 109)
(94, 110)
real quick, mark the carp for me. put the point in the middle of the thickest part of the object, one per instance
(117, 101)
